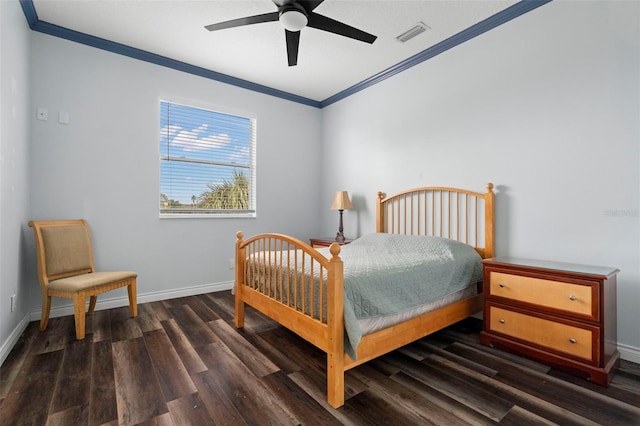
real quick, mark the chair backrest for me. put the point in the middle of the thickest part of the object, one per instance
(63, 247)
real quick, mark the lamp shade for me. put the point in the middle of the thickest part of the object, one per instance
(341, 201)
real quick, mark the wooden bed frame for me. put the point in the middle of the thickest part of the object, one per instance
(458, 214)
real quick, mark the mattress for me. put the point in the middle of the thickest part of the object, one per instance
(373, 324)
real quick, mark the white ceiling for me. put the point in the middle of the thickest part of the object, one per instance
(327, 63)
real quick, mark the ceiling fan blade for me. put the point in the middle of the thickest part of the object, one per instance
(293, 42)
(256, 19)
(309, 5)
(281, 2)
(323, 23)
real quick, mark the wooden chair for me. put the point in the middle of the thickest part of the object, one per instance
(66, 269)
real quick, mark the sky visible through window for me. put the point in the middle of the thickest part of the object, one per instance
(199, 148)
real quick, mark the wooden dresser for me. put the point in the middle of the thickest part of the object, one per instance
(559, 313)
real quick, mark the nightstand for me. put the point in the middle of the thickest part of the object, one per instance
(559, 313)
(326, 242)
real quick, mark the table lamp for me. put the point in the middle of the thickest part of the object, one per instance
(341, 203)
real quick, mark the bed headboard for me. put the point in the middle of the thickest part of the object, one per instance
(453, 213)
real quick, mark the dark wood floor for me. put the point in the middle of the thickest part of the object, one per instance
(181, 361)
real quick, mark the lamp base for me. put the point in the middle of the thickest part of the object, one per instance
(340, 234)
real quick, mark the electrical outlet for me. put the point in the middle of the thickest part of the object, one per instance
(43, 114)
(232, 264)
(13, 302)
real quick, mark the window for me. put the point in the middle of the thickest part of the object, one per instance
(207, 162)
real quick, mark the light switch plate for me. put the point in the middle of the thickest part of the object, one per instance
(63, 117)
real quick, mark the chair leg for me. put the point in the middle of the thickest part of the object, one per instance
(46, 309)
(79, 314)
(92, 304)
(133, 302)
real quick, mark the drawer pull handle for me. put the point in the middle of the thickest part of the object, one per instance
(572, 297)
(501, 285)
(572, 340)
(501, 320)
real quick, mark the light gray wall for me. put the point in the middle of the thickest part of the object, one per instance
(104, 166)
(546, 107)
(14, 178)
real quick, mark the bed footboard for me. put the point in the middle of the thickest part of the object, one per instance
(300, 288)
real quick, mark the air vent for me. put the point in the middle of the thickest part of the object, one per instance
(417, 29)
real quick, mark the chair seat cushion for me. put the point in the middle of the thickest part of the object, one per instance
(91, 280)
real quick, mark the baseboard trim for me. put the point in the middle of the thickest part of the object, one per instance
(629, 353)
(116, 302)
(8, 344)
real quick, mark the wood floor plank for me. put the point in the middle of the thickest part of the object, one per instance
(78, 415)
(249, 396)
(447, 406)
(222, 303)
(219, 407)
(187, 353)
(316, 385)
(518, 416)
(198, 333)
(469, 363)
(622, 388)
(171, 373)
(124, 327)
(255, 360)
(102, 396)
(138, 393)
(298, 350)
(16, 358)
(226, 302)
(280, 359)
(147, 319)
(311, 362)
(59, 331)
(29, 398)
(462, 388)
(159, 310)
(161, 420)
(256, 322)
(508, 356)
(73, 384)
(549, 408)
(627, 379)
(297, 401)
(369, 408)
(567, 395)
(425, 411)
(189, 410)
(201, 309)
(318, 393)
(100, 325)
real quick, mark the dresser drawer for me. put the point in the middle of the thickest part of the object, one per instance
(555, 336)
(571, 298)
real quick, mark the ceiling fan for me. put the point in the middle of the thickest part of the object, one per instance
(294, 15)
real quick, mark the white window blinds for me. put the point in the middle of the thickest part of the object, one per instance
(207, 162)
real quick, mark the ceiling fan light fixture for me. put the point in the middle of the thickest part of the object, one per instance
(293, 19)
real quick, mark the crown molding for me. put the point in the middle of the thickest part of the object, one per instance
(496, 20)
(481, 27)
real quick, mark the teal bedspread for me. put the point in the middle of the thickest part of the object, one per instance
(387, 274)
